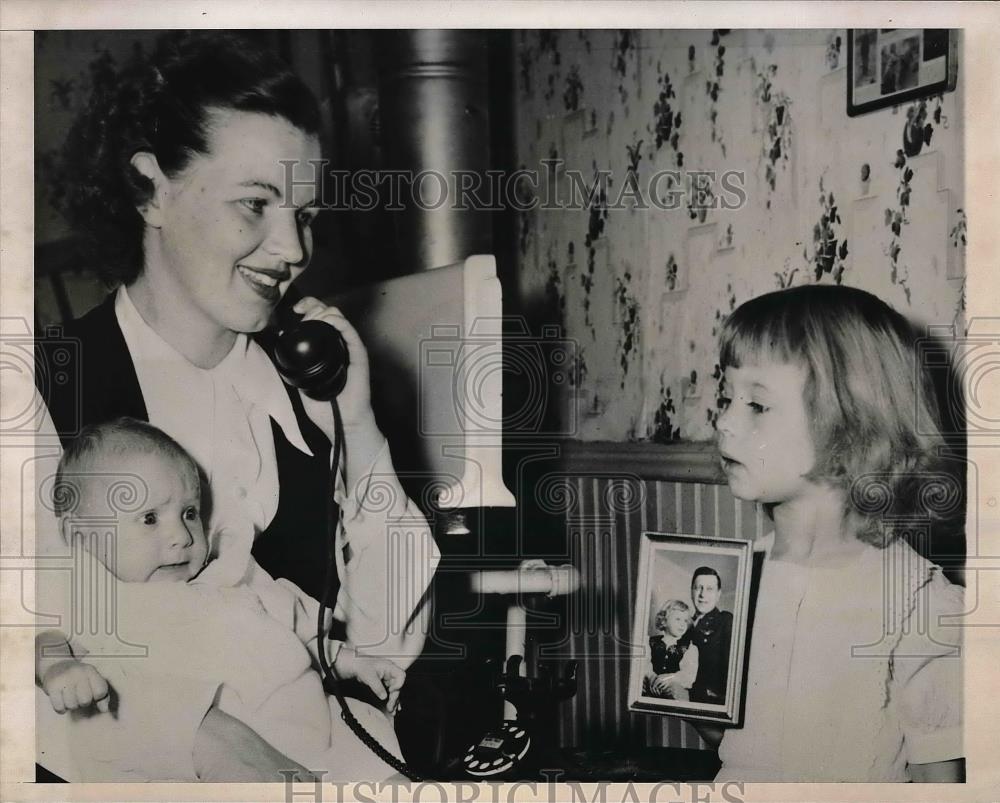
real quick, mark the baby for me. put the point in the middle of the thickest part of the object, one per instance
(248, 644)
(675, 663)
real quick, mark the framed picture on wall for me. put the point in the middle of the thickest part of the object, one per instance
(886, 66)
(691, 624)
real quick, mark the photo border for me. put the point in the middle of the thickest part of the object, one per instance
(981, 65)
(731, 713)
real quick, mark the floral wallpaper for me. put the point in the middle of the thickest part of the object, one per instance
(731, 168)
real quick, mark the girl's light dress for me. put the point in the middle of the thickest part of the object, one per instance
(854, 672)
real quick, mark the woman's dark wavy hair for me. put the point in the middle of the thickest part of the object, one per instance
(162, 104)
(872, 405)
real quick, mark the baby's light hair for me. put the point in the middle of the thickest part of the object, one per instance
(669, 607)
(871, 404)
(121, 437)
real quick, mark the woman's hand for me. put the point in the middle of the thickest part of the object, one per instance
(355, 399)
(381, 675)
(361, 434)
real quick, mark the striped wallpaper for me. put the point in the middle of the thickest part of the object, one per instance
(605, 518)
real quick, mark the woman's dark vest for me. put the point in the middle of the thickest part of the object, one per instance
(86, 375)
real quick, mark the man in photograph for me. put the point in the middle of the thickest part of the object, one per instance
(711, 632)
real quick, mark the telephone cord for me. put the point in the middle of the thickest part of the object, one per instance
(330, 680)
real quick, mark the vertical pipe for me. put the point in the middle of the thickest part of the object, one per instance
(433, 107)
(517, 631)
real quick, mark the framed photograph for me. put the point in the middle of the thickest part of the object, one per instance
(691, 612)
(886, 66)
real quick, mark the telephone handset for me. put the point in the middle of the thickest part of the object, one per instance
(313, 357)
(310, 355)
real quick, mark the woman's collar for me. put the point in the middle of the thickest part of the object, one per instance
(246, 368)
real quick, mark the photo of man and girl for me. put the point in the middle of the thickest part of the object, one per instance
(689, 657)
(690, 622)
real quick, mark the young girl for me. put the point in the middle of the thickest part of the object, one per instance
(854, 671)
(674, 661)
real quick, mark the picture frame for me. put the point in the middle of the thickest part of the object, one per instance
(887, 66)
(699, 673)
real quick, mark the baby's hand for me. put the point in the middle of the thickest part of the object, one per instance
(381, 675)
(72, 684)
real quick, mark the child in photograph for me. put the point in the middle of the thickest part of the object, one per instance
(249, 641)
(829, 421)
(674, 659)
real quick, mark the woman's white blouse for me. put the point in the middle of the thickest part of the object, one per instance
(220, 415)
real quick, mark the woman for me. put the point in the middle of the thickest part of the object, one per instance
(183, 175)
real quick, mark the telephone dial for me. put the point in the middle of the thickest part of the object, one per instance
(498, 751)
(505, 747)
